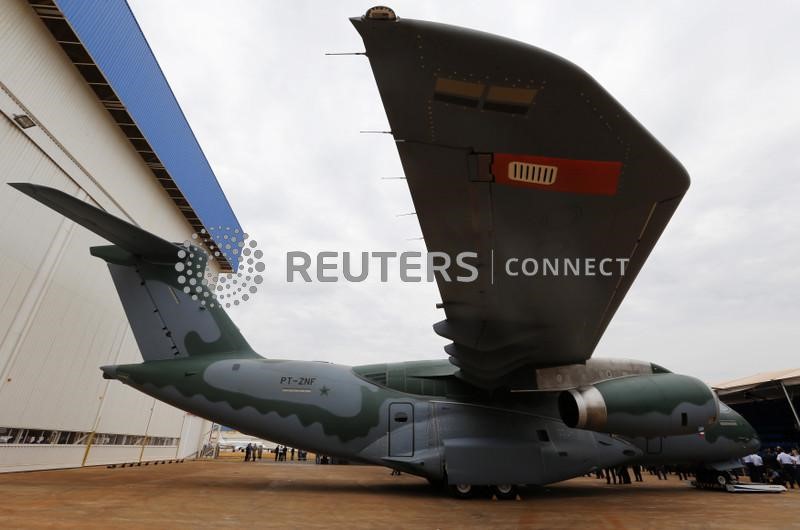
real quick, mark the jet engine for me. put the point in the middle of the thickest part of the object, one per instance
(641, 405)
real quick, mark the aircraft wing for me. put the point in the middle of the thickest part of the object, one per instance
(512, 152)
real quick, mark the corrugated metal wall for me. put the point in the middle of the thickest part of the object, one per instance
(60, 318)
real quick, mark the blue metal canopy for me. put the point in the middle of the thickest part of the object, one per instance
(133, 88)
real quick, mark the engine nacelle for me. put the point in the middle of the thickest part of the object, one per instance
(641, 405)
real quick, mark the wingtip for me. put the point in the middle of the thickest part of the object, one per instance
(357, 22)
(25, 187)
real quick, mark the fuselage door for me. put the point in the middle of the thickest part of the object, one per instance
(401, 429)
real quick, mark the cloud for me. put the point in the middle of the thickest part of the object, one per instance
(714, 82)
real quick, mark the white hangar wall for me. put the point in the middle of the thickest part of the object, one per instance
(60, 317)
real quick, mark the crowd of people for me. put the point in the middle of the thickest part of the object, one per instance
(774, 467)
(622, 474)
(771, 466)
(252, 452)
(282, 453)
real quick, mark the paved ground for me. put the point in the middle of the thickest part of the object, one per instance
(243, 495)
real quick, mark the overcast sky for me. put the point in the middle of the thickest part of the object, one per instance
(716, 82)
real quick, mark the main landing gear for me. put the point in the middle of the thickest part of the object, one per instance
(501, 492)
(505, 492)
(462, 491)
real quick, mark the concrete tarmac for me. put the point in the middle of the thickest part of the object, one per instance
(227, 494)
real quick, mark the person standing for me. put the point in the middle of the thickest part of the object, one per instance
(260, 451)
(747, 461)
(785, 467)
(769, 459)
(292, 454)
(277, 451)
(247, 452)
(758, 467)
(637, 473)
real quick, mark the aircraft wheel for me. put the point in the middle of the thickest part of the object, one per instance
(722, 479)
(505, 491)
(463, 491)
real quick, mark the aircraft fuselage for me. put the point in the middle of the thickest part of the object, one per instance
(332, 409)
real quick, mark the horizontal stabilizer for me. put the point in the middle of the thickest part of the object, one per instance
(122, 233)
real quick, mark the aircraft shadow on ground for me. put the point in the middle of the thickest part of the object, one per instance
(415, 489)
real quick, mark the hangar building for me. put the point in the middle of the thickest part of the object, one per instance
(84, 107)
(768, 401)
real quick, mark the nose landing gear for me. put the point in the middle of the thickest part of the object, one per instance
(713, 479)
(726, 481)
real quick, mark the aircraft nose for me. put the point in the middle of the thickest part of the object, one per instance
(747, 433)
(753, 441)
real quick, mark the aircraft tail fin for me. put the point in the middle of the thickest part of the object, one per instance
(168, 304)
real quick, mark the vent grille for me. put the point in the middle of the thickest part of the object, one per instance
(532, 173)
(379, 378)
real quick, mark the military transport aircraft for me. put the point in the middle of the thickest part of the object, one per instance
(509, 152)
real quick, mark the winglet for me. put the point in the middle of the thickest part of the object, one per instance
(122, 233)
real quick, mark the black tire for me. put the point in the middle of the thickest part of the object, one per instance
(462, 491)
(505, 492)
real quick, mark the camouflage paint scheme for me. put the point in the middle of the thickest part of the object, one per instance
(335, 410)
(495, 413)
